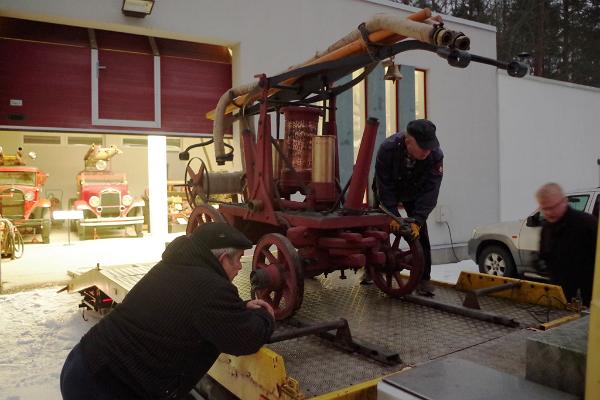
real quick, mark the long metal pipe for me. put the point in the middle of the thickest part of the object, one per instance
(397, 27)
(360, 173)
(308, 330)
(467, 312)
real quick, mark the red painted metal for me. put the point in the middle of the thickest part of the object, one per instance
(202, 214)
(275, 254)
(360, 173)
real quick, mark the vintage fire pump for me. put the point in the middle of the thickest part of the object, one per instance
(330, 228)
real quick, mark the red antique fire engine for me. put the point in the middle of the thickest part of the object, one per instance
(103, 195)
(21, 199)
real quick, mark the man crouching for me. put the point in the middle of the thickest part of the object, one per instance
(172, 325)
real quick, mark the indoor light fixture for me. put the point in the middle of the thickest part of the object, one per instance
(137, 8)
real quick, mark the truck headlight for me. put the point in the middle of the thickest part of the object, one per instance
(29, 196)
(94, 201)
(127, 200)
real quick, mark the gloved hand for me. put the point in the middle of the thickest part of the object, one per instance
(394, 227)
(414, 230)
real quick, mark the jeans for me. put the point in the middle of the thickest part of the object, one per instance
(77, 383)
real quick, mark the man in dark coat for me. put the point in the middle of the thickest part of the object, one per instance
(172, 325)
(409, 170)
(567, 243)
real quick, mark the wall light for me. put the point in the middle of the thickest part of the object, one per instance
(137, 8)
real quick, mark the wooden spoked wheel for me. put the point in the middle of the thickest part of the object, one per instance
(203, 214)
(196, 178)
(403, 268)
(280, 263)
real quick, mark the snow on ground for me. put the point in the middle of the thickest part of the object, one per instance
(39, 327)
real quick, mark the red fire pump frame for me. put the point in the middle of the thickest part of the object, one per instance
(330, 229)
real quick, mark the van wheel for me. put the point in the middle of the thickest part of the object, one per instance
(496, 260)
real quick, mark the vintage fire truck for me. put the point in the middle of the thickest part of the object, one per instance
(103, 196)
(21, 195)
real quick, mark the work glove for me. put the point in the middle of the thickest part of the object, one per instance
(395, 227)
(414, 230)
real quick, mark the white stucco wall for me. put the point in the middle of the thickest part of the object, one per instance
(270, 35)
(548, 132)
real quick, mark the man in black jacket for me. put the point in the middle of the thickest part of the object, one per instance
(172, 325)
(409, 170)
(567, 243)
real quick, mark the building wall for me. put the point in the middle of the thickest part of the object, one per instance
(548, 132)
(270, 35)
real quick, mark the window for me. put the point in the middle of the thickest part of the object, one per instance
(358, 111)
(420, 95)
(41, 139)
(578, 202)
(391, 108)
(135, 142)
(86, 140)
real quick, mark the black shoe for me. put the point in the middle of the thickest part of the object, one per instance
(426, 288)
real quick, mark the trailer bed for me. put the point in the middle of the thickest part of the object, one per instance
(416, 332)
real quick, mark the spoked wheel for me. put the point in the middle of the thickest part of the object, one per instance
(195, 180)
(277, 274)
(401, 256)
(203, 214)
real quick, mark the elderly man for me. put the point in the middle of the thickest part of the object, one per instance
(567, 242)
(171, 327)
(409, 170)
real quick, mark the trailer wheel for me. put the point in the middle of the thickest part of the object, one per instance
(408, 258)
(203, 214)
(277, 275)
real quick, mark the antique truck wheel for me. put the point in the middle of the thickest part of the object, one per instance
(194, 182)
(277, 275)
(388, 277)
(203, 214)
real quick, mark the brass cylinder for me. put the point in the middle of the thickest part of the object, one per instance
(277, 161)
(323, 159)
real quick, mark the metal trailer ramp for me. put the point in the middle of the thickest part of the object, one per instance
(311, 367)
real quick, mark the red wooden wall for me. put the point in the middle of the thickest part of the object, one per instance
(49, 68)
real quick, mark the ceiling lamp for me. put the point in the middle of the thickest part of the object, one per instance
(137, 8)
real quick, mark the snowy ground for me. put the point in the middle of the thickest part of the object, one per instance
(39, 327)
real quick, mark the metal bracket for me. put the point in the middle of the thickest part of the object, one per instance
(342, 339)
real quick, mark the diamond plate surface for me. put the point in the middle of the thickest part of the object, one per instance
(417, 333)
(126, 276)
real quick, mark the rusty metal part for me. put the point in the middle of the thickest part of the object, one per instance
(471, 298)
(203, 214)
(341, 339)
(280, 281)
(360, 173)
(388, 277)
(194, 182)
(323, 158)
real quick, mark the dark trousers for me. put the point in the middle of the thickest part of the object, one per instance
(424, 240)
(77, 383)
